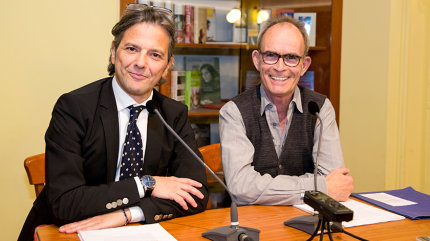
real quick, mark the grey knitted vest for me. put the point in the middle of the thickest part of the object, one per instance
(296, 156)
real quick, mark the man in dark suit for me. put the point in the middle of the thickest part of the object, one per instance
(85, 147)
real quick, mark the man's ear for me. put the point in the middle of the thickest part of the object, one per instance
(169, 64)
(112, 54)
(256, 59)
(306, 63)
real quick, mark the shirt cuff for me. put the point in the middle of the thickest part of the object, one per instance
(136, 214)
(140, 188)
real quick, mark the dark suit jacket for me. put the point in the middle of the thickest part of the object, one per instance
(82, 144)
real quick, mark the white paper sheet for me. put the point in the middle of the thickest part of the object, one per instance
(389, 199)
(147, 232)
(363, 213)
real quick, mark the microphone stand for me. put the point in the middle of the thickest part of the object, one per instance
(329, 210)
(312, 222)
(225, 233)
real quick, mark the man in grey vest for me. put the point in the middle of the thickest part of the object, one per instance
(268, 137)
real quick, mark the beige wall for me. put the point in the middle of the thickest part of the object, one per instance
(47, 48)
(385, 93)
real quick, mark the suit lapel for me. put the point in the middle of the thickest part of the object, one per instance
(153, 144)
(109, 119)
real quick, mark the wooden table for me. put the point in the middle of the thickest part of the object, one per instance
(269, 220)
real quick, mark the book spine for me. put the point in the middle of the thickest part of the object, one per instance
(211, 24)
(187, 89)
(189, 24)
(192, 89)
(177, 85)
(200, 25)
(179, 19)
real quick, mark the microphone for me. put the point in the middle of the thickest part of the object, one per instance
(232, 232)
(314, 110)
(327, 208)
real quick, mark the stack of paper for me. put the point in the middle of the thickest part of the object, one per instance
(147, 232)
(363, 213)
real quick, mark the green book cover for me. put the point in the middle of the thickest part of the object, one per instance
(210, 90)
(192, 89)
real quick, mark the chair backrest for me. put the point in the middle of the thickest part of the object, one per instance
(35, 168)
(212, 157)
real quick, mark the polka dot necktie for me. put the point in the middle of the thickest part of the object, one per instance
(132, 154)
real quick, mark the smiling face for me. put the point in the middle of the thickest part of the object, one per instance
(279, 80)
(141, 59)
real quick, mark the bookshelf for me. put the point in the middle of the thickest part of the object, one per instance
(325, 54)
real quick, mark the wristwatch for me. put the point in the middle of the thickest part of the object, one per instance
(148, 183)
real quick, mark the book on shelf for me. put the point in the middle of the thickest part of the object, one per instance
(177, 85)
(307, 80)
(252, 36)
(209, 68)
(189, 24)
(169, 5)
(226, 43)
(310, 21)
(192, 89)
(277, 12)
(157, 3)
(179, 19)
(200, 24)
(210, 24)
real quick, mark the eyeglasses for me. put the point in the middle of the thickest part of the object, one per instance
(140, 7)
(290, 60)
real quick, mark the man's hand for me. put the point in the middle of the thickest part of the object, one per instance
(109, 220)
(177, 189)
(339, 185)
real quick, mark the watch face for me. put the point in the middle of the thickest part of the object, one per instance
(148, 181)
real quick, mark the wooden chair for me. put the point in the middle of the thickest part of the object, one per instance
(35, 168)
(212, 157)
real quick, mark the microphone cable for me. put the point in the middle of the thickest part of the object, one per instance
(337, 227)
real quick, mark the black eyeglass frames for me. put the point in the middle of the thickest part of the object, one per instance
(290, 60)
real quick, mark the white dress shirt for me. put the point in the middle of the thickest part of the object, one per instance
(123, 101)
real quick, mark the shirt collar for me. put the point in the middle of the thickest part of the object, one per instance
(266, 103)
(123, 100)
